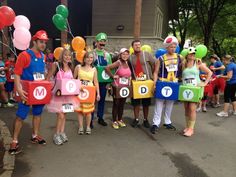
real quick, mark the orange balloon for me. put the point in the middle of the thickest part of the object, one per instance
(78, 43)
(80, 55)
(57, 52)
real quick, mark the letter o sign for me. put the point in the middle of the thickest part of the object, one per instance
(84, 94)
(124, 92)
(105, 75)
(166, 91)
(188, 94)
(70, 86)
(39, 93)
(143, 89)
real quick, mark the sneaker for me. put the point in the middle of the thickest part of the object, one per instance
(11, 100)
(57, 139)
(135, 123)
(14, 148)
(64, 137)
(102, 122)
(234, 113)
(38, 140)
(88, 131)
(169, 127)
(204, 109)
(81, 131)
(146, 123)
(222, 114)
(153, 129)
(198, 109)
(8, 105)
(115, 125)
(217, 105)
(121, 123)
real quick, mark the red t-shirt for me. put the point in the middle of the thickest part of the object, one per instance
(23, 61)
(10, 72)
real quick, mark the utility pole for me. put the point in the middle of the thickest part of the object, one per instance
(64, 33)
(137, 18)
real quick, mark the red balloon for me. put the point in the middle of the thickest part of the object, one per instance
(7, 15)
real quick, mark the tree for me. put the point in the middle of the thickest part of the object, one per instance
(224, 31)
(179, 26)
(207, 12)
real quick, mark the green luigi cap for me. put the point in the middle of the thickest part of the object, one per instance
(101, 36)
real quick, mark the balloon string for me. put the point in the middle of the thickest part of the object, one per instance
(10, 30)
(69, 29)
(8, 47)
(4, 35)
(14, 52)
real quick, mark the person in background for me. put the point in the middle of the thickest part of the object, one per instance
(230, 89)
(217, 68)
(9, 86)
(122, 77)
(3, 93)
(208, 92)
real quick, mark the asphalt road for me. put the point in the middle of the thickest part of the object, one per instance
(130, 152)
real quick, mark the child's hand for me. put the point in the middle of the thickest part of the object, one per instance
(98, 97)
(115, 77)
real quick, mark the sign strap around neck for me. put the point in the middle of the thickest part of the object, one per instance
(59, 70)
(145, 63)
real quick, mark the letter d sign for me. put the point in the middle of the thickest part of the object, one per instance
(143, 89)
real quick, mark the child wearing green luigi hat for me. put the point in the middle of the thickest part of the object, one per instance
(101, 59)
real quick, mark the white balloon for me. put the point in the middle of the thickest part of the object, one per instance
(21, 21)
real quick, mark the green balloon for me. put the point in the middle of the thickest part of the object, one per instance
(62, 10)
(201, 51)
(184, 52)
(59, 21)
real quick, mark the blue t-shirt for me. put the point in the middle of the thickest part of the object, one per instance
(2, 73)
(231, 67)
(218, 64)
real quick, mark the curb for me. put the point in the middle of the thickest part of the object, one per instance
(8, 160)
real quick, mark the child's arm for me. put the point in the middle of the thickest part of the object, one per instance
(51, 71)
(95, 81)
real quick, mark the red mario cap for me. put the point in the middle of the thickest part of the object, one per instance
(41, 35)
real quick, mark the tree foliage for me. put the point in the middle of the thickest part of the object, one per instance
(212, 22)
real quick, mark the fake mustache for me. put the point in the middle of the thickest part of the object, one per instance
(102, 45)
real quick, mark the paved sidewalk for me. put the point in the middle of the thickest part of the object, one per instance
(130, 152)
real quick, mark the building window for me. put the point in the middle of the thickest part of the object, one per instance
(158, 22)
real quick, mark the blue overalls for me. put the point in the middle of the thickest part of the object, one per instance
(36, 65)
(101, 61)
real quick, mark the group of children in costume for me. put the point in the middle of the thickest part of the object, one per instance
(140, 65)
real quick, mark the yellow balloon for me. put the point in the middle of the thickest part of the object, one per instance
(147, 48)
(131, 50)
